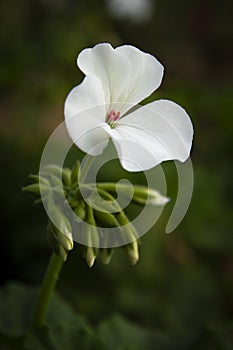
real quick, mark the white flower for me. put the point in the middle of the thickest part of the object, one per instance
(100, 108)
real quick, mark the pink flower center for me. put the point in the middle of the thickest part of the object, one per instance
(112, 117)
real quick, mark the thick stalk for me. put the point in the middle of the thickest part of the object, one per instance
(47, 289)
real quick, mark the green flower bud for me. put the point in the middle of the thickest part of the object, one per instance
(105, 195)
(40, 179)
(55, 181)
(74, 174)
(106, 255)
(110, 203)
(56, 247)
(106, 219)
(80, 211)
(38, 201)
(73, 202)
(90, 256)
(122, 218)
(140, 195)
(66, 177)
(132, 251)
(53, 170)
(64, 241)
(129, 233)
(51, 176)
(37, 189)
(91, 237)
(62, 223)
(57, 176)
(143, 195)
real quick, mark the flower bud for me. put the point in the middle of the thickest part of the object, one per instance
(80, 211)
(66, 177)
(132, 251)
(144, 195)
(72, 202)
(74, 174)
(53, 170)
(106, 219)
(62, 223)
(56, 247)
(39, 179)
(106, 255)
(55, 181)
(63, 240)
(90, 237)
(129, 234)
(110, 204)
(37, 189)
(90, 256)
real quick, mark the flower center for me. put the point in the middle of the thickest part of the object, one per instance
(113, 117)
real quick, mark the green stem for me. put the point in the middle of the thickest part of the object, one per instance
(114, 187)
(47, 289)
(111, 186)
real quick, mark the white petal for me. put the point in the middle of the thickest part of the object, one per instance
(85, 114)
(111, 67)
(145, 75)
(134, 148)
(86, 95)
(87, 132)
(153, 133)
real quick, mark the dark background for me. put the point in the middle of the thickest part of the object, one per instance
(183, 281)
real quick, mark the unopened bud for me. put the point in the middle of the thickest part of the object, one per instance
(106, 219)
(74, 174)
(62, 223)
(144, 195)
(106, 255)
(52, 169)
(90, 256)
(122, 218)
(39, 179)
(37, 189)
(66, 177)
(91, 238)
(129, 234)
(60, 237)
(80, 211)
(132, 251)
(57, 248)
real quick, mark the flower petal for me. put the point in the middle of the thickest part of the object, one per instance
(133, 148)
(86, 95)
(85, 114)
(159, 131)
(110, 66)
(145, 75)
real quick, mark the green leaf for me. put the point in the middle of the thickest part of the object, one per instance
(119, 334)
(64, 336)
(16, 303)
(65, 328)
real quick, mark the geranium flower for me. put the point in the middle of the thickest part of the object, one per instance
(105, 106)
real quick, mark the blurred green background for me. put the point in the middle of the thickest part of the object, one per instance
(182, 284)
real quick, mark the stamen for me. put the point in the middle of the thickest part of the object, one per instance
(113, 117)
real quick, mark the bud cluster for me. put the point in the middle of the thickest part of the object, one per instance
(54, 184)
